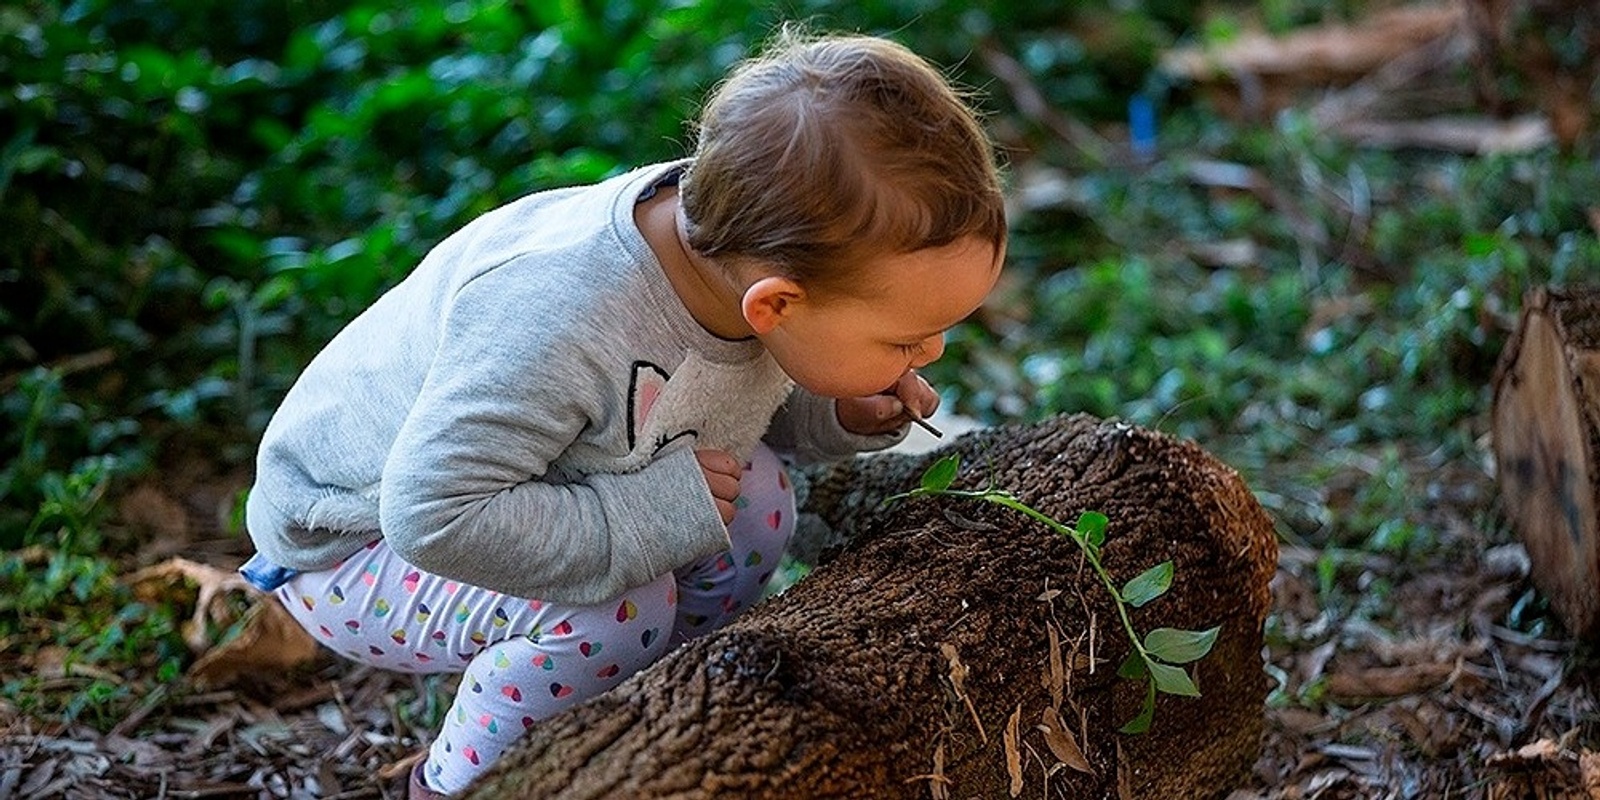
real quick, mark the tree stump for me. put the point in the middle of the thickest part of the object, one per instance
(1546, 427)
(894, 668)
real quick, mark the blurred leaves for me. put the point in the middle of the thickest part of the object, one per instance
(1347, 338)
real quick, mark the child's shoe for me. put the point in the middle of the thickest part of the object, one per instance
(419, 789)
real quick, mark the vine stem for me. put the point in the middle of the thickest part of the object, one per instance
(1003, 499)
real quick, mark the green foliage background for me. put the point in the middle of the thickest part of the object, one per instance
(195, 195)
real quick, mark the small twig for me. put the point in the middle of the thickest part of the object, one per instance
(924, 424)
(82, 362)
(133, 720)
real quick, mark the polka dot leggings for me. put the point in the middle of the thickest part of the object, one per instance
(522, 659)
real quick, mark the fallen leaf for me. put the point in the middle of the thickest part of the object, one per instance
(1013, 755)
(1317, 56)
(958, 680)
(1062, 743)
(1055, 680)
(157, 512)
(1589, 771)
(1389, 681)
(938, 784)
(269, 640)
(1545, 768)
(181, 582)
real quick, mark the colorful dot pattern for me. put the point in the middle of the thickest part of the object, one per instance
(523, 660)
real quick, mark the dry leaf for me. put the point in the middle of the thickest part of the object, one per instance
(938, 784)
(1389, 681)
(1062, 743)
(269, 640)
(958, 680)
(1057, 677)
(1013, 755)
(1545, 768)
(155, 511)
(169, 583)
(1317, 55)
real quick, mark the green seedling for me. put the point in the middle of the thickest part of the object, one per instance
(1156, 658)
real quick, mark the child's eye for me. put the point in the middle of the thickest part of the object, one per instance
(910, 349)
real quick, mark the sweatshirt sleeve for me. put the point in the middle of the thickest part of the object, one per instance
(464, 491)
(807, 427)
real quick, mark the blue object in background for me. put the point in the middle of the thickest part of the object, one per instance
(1142, 126)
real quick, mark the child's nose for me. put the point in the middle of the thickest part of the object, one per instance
(931, 350)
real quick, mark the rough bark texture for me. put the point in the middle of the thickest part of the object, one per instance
(1546, 414)
(842, 686)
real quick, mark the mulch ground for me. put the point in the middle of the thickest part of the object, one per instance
(1435, 674)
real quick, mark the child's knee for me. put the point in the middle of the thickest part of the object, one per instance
(584, 650)
(765, 511)
(629, 629)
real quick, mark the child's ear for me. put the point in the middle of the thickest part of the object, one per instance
(769, 301)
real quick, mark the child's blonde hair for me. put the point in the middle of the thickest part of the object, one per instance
(824, 151)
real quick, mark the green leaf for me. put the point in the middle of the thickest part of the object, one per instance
(1178, 646)
(1132, 667)
(1092, 527)
(1149, 585)
(1141, 723)
(943, 472)
(1172, 680)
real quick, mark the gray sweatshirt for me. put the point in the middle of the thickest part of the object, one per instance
(520, 413)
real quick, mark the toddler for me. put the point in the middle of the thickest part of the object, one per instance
(557, 448)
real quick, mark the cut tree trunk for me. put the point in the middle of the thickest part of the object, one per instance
(916, 661)
(1546, 433)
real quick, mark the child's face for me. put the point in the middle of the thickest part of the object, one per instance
(854, 346)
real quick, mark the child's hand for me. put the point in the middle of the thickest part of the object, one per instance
(722, 478)
(890, 411)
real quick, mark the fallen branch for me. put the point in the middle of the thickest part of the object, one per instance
(840, 687)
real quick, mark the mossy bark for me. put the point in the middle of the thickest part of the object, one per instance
(843, 687)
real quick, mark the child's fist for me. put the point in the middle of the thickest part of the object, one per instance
(910, 398)
(722, 478)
